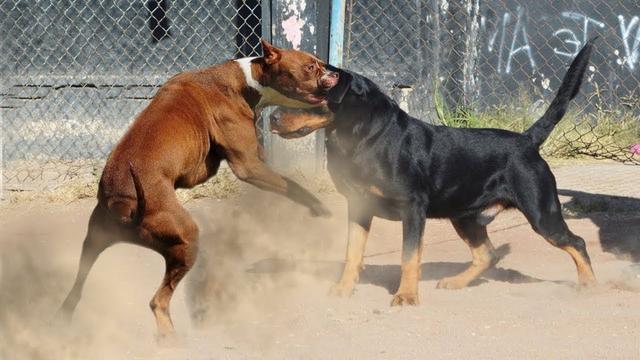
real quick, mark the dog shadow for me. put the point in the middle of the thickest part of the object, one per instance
(388, 276)
(617, 219)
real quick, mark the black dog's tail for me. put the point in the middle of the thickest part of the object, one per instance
(540, 130)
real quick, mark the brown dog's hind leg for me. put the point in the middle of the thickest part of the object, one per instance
(173, 234)
(102, 232)
(482, 252)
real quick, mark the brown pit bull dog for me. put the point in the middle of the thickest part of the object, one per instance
(196, 120)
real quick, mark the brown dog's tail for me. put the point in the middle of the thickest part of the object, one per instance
(126, 210)
(569, 88)
(137, 216)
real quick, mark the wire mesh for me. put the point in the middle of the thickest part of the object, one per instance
(75, 73)
(499, 63)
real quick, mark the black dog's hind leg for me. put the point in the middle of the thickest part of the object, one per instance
(482, 252)
(413, 222)
(537, 198)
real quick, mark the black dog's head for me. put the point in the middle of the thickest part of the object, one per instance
(350, 91)
(339, 91)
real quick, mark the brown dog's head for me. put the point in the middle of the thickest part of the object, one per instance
(296, 123)
(296, 75)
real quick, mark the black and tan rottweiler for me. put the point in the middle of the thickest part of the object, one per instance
(391, 165)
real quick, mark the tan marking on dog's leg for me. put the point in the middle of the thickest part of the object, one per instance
(585, 272)
(492, 210)
(482, 254)
(483, 258)
(407, 293)
(354, 258)
(376, 191)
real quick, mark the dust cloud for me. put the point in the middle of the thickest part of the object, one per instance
(245, 274)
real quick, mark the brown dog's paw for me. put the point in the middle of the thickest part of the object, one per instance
(452, 283)
(588, 284)
(405, 299)
(341, 290)
(587, 280)
(169, 340)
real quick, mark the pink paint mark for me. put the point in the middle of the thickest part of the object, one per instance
(292, 28)
(635, 149)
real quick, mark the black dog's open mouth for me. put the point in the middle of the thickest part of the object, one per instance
(318, 97)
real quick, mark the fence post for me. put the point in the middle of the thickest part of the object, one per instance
(336, 41)
(263, 118)
(336, 34)
(1, 159)
(2, 131)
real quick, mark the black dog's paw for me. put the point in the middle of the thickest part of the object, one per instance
(402, 299)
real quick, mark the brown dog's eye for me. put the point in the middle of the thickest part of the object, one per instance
(310, 67)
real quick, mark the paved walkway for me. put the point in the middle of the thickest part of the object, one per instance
(606, 178)
(599, 187)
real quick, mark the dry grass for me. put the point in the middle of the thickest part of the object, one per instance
(85, 186)
(601, 133)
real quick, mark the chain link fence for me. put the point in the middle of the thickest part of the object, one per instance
(498, 63)
(75, 73)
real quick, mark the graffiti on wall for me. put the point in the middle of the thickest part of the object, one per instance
(509, 38)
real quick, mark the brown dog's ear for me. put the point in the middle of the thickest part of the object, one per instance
(337, 93)
(271, 54)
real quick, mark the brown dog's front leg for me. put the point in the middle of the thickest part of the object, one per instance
(257, 173)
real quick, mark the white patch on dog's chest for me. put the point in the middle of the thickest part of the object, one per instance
(268, 95)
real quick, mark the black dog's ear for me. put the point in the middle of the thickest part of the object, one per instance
(337, 93)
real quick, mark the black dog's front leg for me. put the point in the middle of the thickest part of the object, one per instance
(413, 222)
(359, 224)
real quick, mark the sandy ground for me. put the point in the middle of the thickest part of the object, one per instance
(260, 290)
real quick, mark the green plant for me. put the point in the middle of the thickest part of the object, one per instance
(601, 133)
